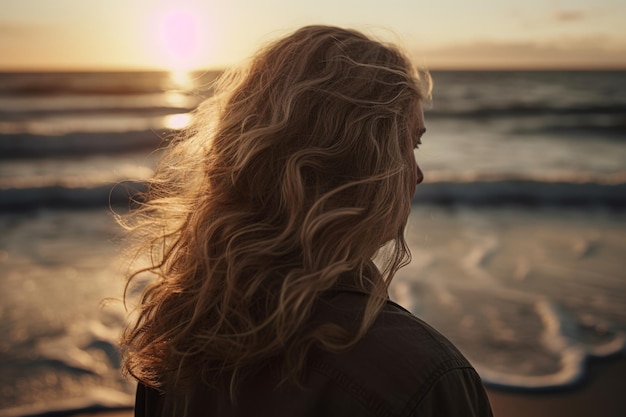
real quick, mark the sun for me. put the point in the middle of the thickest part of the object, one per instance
(180, 36)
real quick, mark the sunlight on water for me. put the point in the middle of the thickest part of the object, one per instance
(181, 79)
(177, 121)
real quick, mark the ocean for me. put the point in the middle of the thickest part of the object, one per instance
(518, 232)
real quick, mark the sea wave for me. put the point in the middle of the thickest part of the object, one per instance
(29, 145)
(571, 190)
(561, 336)
(526, 109)
(473, 190)
(101, 83)
(71, 196)
(25, 108)
(606, 121)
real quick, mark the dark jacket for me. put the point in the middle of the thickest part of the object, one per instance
(401, 368)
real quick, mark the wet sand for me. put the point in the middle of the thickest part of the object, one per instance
(602, 394)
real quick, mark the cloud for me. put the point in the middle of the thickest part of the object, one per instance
(590, 52)
(10, 29)
(15, 29)
(570, 15)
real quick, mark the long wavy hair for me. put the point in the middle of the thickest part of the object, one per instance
(296, 172)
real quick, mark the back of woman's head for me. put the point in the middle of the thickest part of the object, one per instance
(293, 174)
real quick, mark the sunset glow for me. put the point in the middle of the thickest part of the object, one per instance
(181, 79)
(182, 35)
(179, 37)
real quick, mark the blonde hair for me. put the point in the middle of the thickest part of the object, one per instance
(293, 174)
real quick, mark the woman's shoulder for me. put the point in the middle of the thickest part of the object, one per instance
(401, 364)
(396, 335)
(402, 367)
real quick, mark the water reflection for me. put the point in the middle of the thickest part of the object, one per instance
(181, 80)
(177, 121)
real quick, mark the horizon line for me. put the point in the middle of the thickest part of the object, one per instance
(469, 68)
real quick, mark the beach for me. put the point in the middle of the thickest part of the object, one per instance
(601, 395)
(517, 233)
(82, 359)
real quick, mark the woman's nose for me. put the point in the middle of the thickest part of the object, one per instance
(420, 175)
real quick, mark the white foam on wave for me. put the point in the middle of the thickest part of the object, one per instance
(517, 291)
(72, 348)
(570, 373)
(561, 337)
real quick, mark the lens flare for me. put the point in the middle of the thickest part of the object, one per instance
(181, 35)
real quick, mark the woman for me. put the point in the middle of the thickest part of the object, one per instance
(261, 224)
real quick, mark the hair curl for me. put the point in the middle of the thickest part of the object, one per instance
(295, 172)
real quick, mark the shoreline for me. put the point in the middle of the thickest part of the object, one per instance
(600, 393)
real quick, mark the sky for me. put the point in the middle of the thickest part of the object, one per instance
(188, 34)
